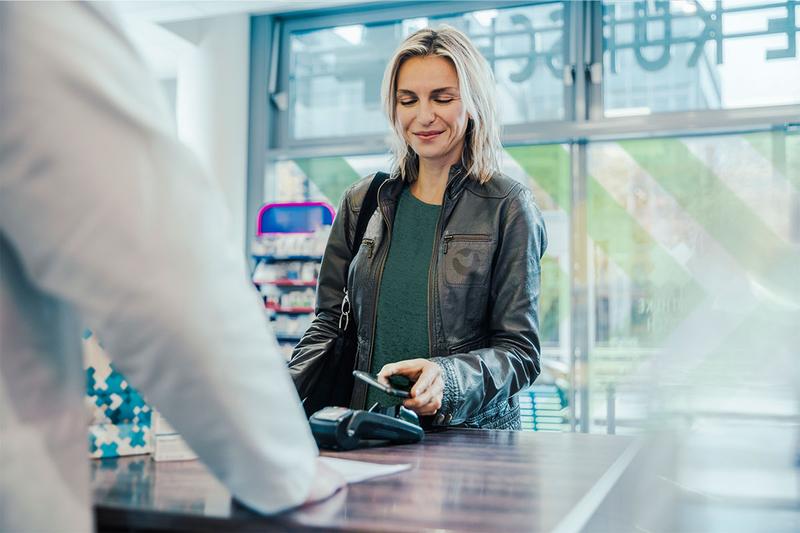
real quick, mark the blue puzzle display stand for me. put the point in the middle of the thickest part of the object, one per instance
(119, 417)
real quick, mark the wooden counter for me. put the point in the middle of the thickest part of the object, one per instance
(461, 480)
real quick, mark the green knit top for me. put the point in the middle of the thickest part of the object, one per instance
(401, 330)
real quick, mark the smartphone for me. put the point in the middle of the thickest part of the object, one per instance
(373, 381)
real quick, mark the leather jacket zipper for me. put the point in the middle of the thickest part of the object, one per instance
(431, 280)
(464, 237)
(378, 278)
(371, 244)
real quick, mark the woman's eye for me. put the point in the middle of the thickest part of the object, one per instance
(443, 100)
(407, 102)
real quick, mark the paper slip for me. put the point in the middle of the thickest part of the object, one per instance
(357, 471)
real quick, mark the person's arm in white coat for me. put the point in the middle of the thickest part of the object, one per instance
(110, 213)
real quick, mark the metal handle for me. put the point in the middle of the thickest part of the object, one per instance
(345, 312)
(594, 71)
(569, 75)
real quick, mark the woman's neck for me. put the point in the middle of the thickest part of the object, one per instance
(431, 181)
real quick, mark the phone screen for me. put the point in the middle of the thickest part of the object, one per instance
(373, 381)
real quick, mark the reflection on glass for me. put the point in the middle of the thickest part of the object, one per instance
(695, 55)
(694, 249)
(525, 47)
(335, 80)
(335, 73)
(174, 487)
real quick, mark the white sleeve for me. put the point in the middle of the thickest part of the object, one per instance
(109, 213)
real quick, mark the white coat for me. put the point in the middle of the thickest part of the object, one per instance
(107, 222)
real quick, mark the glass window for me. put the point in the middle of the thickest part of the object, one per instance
(335, 80)
(693, 254)
(335, 74)
(545, 169)
(319, 178)
(695, 55)
(525, 47)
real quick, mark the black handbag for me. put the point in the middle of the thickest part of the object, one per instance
(331, 382)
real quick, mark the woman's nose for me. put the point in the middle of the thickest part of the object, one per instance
(425, 113)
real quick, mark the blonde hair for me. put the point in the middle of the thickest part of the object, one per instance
(482, 148)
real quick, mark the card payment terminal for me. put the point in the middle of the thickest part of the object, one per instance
(341, 428)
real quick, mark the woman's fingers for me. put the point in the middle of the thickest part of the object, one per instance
(427, 403)
(426, 396)
(411, 368)
(423, 384)
(430, 373)
(424, 406)
(428, 389)
(386, 371)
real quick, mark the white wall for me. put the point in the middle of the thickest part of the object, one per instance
(209, 59)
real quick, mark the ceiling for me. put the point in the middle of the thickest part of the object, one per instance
(171, 11)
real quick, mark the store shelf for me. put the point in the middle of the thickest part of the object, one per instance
(289, 283)
(285, 337)
(276, 259)
(291, 310)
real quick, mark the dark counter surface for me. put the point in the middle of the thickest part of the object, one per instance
(460, 480)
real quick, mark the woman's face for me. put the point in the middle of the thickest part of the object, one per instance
(429, 109)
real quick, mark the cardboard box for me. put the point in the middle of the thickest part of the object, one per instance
(119, 418)
(167, 443)
(171, 448)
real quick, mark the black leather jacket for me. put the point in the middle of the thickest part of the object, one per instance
(483, 291)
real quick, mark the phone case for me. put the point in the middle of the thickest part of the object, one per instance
(371, 380)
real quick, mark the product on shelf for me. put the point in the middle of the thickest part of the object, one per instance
(291, 325)
(297, 299)
(270, 272)
(292, 245)
(271, 295)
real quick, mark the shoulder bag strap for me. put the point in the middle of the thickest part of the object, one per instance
(368, 207)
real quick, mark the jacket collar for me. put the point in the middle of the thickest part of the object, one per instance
(456, 180)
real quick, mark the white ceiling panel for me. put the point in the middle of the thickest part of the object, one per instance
(170, 11)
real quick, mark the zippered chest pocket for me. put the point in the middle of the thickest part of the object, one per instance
(368, 245)
(467, 258)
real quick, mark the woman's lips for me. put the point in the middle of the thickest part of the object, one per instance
(428, 135)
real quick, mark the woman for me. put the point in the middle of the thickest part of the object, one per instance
(444, 287)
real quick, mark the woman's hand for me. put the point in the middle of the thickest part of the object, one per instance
(428, 389)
